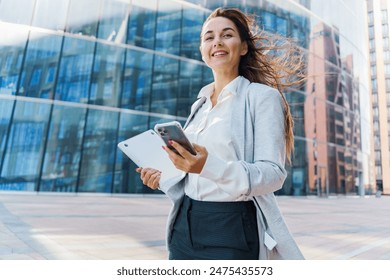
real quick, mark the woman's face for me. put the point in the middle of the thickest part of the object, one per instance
(221, 45)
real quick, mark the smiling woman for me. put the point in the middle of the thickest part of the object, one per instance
(241, 129)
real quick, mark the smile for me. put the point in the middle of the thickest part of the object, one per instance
(219, 53)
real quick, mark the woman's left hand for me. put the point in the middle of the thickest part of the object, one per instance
(185, 160)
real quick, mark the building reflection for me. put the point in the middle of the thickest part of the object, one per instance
(332, 130)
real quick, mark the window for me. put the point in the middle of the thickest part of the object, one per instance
(50, 14)
(387, 68)
(83, 17)
(378, 170)
(370, 17)
(384, 16)
(107, 75)
(386, 55)
(375, 98)
(74, 75)
(372, 57)
(385, 30)
(387, 84)
(378, 156)
(385, 43)
(371, 32)
(142, 24)
(35, 77)
(374, 84)
(113, 20)
(168, 30)
(16, 13)
(373, 70)
(372, 44)
(375, 112)
(377, 141)
(376, 125)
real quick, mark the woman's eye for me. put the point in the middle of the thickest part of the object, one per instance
(208, 38)
(227, 35)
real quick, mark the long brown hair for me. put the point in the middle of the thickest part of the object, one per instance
(271, 59)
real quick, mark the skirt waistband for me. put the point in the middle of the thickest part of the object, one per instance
(211, 206)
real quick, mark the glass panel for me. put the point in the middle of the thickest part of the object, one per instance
(99, 149)
(83, 17)
(5, 121)
(137, 81)
(297, 107)
(20, 12)
(281, 25)
(126, 179)
(142, 25)
(114, 20)
(107, 75)
(212, 4)
(165, 85)
(299, 169)
(268, 21)
(40, 65)
(190, 83)
(23, 158)
(62, 157)
(190, 38)
(75, 71)
(12, 43)
(168, 27)
(51, 14)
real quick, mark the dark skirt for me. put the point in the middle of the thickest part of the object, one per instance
(215, 230)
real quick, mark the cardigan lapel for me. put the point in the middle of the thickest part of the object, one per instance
(239, 118)
(199, 104)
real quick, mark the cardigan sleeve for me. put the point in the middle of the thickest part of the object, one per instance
(266, 173)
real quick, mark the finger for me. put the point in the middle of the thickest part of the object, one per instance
(155, 180)
(138, 169)
(171, 154)
(198, 148)
(146, 173)
(147, 170)
(181, 150)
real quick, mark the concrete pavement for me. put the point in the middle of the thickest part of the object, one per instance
(93, 227)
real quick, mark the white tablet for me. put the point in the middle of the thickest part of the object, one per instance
(145, 150)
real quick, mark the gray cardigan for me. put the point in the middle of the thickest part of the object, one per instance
(258, 137)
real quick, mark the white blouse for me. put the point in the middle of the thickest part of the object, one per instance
(210, 127)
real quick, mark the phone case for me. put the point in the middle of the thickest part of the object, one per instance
(173, 131)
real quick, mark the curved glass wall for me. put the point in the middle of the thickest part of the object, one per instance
(78, 76)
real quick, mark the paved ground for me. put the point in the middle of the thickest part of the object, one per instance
(93, 227)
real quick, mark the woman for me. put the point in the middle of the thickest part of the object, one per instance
(241, 128)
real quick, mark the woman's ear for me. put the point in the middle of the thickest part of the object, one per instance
(244, 48)
(200, 49)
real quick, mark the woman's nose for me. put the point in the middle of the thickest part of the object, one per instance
(217, 42)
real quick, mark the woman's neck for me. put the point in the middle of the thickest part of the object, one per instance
(220, 81)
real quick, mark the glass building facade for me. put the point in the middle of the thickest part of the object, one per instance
(78, 76)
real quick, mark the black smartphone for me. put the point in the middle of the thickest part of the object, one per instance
(173, 131)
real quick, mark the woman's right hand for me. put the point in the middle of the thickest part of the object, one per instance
(150, 177)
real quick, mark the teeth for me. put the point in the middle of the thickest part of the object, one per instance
(219, 53)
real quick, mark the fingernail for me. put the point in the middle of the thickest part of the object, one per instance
(170, 142)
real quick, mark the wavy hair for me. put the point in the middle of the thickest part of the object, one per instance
(271, 59)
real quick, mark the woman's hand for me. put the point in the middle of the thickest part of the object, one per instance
(150, 177)
(185, 160)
